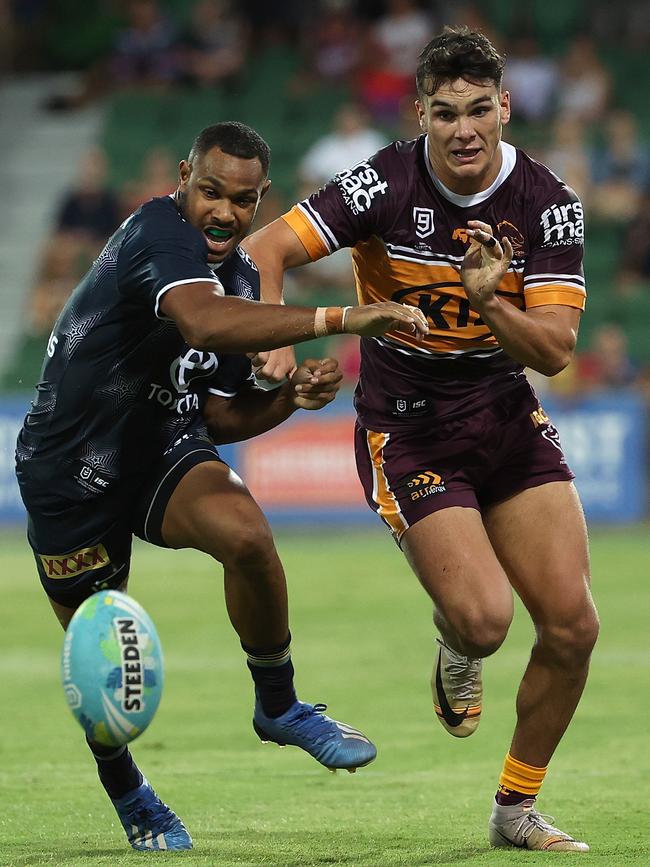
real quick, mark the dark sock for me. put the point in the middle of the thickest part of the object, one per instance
(117, 771)
(272, 672)
(508, 797)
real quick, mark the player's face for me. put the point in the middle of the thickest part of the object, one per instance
(463, 121)
(219, 195)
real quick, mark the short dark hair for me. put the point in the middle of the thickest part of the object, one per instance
(233, 138)
(458, 52)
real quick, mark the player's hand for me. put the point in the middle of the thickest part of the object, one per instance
(314, 384)
(485, 263)
(371, 320)
(274, 366)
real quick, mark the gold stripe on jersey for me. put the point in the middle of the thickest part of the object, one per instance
(435, 287)
(555, 293)
(307, 234)
(388, 507)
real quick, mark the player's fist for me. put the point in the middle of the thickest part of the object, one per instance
(314, 384)
(372, 320)
(274, 366)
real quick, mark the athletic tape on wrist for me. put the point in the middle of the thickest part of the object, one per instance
(328, 320)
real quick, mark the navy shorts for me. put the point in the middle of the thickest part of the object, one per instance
(475, 461)
(82, 544)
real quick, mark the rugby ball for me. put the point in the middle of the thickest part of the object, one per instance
(112, 668)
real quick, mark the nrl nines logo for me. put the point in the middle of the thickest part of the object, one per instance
(423, 219)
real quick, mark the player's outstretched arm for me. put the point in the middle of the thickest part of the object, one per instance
(275, 248)
(542, 338)
(218, 323)
(253, 411)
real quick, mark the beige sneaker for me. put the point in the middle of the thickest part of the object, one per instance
(522, 826)
(457, 691)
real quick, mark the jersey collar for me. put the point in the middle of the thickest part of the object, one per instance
(508, 160)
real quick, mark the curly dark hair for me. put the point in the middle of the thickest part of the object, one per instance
(458, 52)
(233, 138)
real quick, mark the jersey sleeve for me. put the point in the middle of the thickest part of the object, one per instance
(161, 250)
(350, 208)
(553, 273)
(233, 374)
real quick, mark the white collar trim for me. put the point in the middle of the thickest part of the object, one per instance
(508, 160)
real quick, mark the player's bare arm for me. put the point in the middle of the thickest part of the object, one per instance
(275, 248)
(209, 321)
(253, 411)
(543, 338)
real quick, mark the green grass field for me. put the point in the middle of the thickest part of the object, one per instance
(363, 643)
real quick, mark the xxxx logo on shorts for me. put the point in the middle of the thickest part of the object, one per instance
(69, 565)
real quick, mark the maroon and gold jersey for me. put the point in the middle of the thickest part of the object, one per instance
(408, 237)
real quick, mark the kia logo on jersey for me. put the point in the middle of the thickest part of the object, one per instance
(423, 219)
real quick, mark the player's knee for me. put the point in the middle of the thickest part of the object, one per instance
(247, 547)
(570, 644)
(482, 632)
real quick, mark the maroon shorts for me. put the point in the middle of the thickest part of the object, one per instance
(474, 461)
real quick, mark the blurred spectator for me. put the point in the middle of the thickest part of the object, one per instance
(531, 78)
(627, 27)
(389, 57)
(332, 43)
(568, 155)
(402, 32)
(621, 169)
(607, 364)
(61, 269)
(159, 177)
(585, 83)
(634, 267)
(89, 212)
(351, 140)
(144, 51)
(214, 46)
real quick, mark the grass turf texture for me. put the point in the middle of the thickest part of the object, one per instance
(363, 643)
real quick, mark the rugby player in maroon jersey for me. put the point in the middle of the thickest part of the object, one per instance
(453, 449)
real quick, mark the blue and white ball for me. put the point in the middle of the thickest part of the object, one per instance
(112, 668)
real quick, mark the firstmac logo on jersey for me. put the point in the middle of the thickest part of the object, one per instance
(359, 186)
(563, 225)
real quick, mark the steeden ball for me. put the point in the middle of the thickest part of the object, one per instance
(112, 668)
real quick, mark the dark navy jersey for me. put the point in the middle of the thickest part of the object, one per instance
(119, 384)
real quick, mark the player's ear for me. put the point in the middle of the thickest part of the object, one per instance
(184, 172)
(504, 106)
(265, 188)
(422, 115)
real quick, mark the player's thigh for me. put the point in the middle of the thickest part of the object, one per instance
(453, 558)
(65, 613)
(211, 510)
(540, 537)
(81, 544)
(422, 483)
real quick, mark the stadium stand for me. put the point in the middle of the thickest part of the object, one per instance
(280, 94)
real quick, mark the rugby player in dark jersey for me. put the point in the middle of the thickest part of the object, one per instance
(453, 449)
(145, 371)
